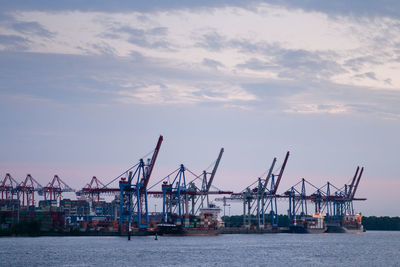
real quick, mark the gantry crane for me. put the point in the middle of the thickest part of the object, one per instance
(257, 201)
(55, 188)
(8, 187)
(133, 192)
(178, 194)
(26, 190)
(93, 189)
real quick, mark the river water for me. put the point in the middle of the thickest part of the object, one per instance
(372, 248)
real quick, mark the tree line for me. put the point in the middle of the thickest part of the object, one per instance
(381, 223)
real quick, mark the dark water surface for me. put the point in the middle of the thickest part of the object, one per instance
(368, 249)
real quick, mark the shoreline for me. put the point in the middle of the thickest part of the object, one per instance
(225, 231)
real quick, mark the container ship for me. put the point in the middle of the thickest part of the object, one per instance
(314, 224)
(207, 224)
(349, 223)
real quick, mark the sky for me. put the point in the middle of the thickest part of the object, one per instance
(86, 89)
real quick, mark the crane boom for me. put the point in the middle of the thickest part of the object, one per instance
(352, 182)
(281, 173)
(152, 162)
(214, 170)
(268, 176)
(358, 181)
(11, 180)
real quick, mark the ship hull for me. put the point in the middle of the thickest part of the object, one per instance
(344, 229)
(177, 230)
(350, 223)
(300, 229)
(200, 232)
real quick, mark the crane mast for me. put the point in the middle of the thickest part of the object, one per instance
(268, 176)
(214, 170)
(152, 162)
(358, 181)
(352, 182)
(280, 173)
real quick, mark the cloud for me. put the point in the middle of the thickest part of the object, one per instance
(356, 8)
(118, 5)
(32, 28)
(301, 63)
(388, 81)
(14, 42)
(19, 34)
(329, 98)
(370, 75)
(358, 63)
(256, 64)
(158, 94)
(375, 110)
(176, 37)
(102, 80)
(194, 56)
(212, 63)
(212, 41)
(278, 90)
(149, 38)
(99, 48)
(167, 94)
(318, 109)
(294, 64)
(226, 93)
(236, 106)
(27, 28)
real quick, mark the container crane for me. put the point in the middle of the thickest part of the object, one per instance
(207, 184)
(55, 188)
(8, 187)
(178, 194)
(27, 190)
(262, 198)
(92, 189)
(137, 190)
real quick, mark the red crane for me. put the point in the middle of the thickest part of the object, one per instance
(8, 187)
(27, 190)
(54, 189)
(151, 165)
(92, 189)
(280, 174)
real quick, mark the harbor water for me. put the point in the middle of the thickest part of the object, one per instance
(373, 248)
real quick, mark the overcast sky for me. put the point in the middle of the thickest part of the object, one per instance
(86, 90)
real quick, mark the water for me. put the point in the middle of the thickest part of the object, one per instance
(368, 249)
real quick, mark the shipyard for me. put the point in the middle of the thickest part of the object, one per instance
(191, 205)
(199, 133)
